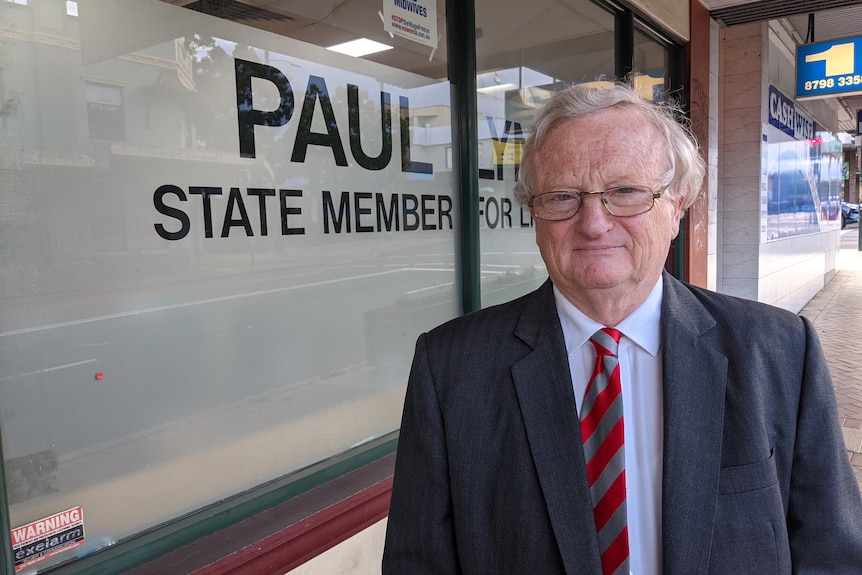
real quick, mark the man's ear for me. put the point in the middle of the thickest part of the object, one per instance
(678, 205)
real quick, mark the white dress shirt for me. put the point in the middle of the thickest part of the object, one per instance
(641, 377)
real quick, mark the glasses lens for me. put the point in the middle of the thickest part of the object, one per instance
(629, 200)
(556, 205)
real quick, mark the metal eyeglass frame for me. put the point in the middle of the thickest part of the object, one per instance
(655, 195)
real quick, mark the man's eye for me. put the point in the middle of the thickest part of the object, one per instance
(562, 197)
(625, 190)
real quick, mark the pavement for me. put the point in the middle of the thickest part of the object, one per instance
(836, 312)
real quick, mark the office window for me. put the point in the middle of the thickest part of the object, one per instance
(217, 255)
(524, 52)
(650, 61)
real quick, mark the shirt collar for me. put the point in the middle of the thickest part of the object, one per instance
(642, 326)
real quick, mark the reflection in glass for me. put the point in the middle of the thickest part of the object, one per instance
(650, 64)
(803, 184)
(524, 53)
(220, 243)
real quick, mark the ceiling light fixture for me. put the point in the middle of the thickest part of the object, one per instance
(360, 47)
(496, 88)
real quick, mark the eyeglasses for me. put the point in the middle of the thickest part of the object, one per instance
(623, 201)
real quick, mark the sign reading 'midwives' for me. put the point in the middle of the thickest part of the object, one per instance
(45, 537)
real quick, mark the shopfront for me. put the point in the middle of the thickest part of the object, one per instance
(781, 173)
(222, 233)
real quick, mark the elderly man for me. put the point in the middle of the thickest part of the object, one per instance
(617, 420)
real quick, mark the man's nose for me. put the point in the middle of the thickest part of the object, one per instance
(592, 202)
(593, 217)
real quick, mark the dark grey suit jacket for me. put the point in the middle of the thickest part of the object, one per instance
(490, 476)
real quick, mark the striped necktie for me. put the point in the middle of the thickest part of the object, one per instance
(602, 433)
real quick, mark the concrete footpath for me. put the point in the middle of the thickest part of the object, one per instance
(836, 312)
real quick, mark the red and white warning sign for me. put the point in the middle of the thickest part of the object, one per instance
(45, 537)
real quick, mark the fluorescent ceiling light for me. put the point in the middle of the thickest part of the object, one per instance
(496, 88)
(360, 47)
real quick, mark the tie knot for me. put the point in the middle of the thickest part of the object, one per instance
(606, 341)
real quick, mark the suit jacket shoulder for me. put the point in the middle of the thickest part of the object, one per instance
(498, 334)
(698, 310)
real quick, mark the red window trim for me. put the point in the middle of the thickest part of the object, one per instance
(288, 535)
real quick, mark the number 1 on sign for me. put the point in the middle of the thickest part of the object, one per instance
(839, 59)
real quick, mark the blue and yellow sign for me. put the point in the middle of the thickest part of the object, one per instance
(829, 68)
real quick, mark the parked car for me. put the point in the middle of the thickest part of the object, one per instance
(849, 214)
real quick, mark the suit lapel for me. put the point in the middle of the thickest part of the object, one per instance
(544, 389)
(695, 376)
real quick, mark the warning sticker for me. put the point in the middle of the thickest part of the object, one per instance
(45, 537)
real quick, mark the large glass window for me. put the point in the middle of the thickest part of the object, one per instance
(524, 51)
(220, 240)
(650, 62)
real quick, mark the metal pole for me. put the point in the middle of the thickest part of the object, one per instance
(461, 45)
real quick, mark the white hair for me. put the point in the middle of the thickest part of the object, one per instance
(683, 179)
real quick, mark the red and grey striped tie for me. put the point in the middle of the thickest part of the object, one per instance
(603, 436)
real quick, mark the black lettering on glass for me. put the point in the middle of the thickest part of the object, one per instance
(247, 116)
(317, 92)
(171, 212)
(368, 162)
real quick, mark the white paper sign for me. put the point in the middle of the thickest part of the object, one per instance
(413, 19)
